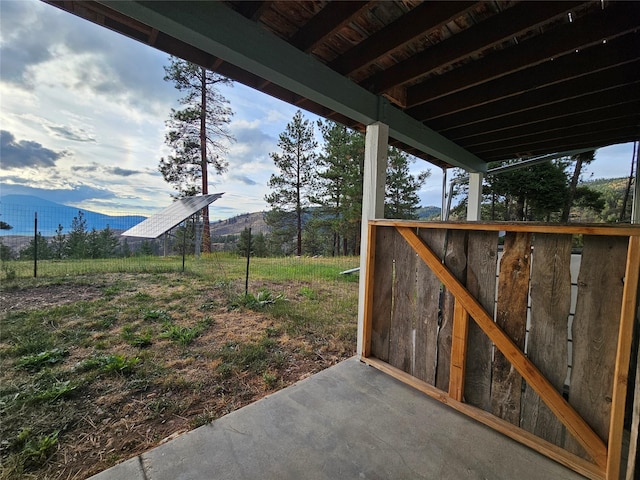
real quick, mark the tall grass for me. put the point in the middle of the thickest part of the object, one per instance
(217, 264)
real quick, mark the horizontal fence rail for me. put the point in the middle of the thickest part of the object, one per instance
(480, 316)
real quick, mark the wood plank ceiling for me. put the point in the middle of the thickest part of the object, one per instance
(502, 79)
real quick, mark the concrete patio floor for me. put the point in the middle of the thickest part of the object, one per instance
(350, 421)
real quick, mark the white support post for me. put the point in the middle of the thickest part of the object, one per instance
(375, 172)
(475, 197)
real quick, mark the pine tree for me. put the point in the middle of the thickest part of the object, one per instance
(340, 186)
(401, 196)
(198, 133)
(76, 244)
(59, 244)
(581, 159)
(294, 187)
(93, 244)
(534, 192)
(108, 242)
(44, 251)
(125, 249)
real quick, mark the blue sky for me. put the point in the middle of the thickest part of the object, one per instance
(83, 111)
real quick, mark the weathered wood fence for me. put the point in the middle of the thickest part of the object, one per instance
(496, 346)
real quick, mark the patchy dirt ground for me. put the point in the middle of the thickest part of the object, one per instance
(239, 354)
(46, 296)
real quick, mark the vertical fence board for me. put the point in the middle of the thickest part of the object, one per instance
(548, 336)
(511, 316)
(382, 289)
(595, 331)
(456, 260)
(427, 306)
(481, 283)
(403, 316)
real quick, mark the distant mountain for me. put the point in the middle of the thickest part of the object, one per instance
(19, 210)
(235, 225)
(428, 213)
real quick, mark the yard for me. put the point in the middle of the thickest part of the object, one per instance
(100, 366)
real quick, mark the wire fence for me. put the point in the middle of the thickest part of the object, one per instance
(54, 241)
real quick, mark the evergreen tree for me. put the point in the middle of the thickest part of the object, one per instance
(580, 159)
(198, 133)
(44, 251)
(108, 243)
(146, 249)
(316, 239)
(243, 242)
(6, 252)
(184, 239)
(340, 186)
(282, 238)
(76, 244)
(93, 244)
(534, 192)
(259, 245)
(401, 193)
(125, 249)
(294, 186)
(59, 244)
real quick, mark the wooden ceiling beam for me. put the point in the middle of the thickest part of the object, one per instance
(562, 120)
(492, 31)
(566, 131)
(614, 21)
(586, 140)
(325, 23)
(251, 9)
(423, 18)
(601, 57)
(584, 88)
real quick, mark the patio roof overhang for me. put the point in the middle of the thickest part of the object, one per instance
(458, 83)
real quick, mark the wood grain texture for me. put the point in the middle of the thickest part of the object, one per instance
(623, 354)
(456, 261)
(382, 289)
(575, 424)
(633, 458)
(369, 273)
(595, 331)
(511, 316)
(460, 333)
(481, 282)
(533, 227)
(548, 334)
(403, 315)
(427, 308)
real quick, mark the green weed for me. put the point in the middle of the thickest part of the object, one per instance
(29, 452)
(135, 339)
(53, 392)
(263, 299)
(156, 315)
(270, 380)
(114, 364)
(40, 360)
(308, 293)
(180, 334)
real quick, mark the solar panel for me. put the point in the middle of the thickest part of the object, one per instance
(171, 216)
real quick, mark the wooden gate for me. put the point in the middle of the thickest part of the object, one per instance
(543, 360)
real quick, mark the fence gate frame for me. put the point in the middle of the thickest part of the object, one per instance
(606, 456)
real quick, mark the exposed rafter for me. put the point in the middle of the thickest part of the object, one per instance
(459, 83)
